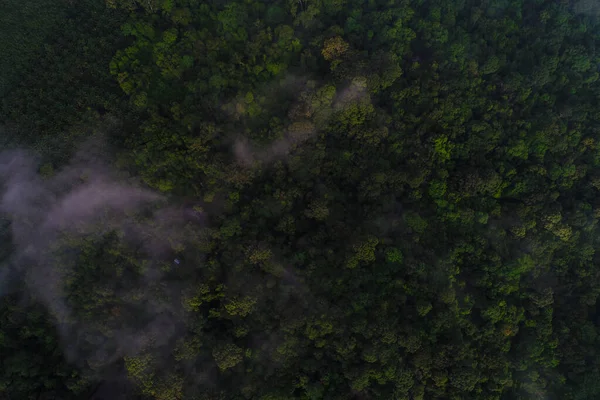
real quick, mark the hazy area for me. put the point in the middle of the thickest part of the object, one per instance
(322, 199)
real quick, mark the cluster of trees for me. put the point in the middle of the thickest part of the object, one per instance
(393, 199)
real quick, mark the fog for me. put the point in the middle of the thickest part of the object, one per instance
(83, 201)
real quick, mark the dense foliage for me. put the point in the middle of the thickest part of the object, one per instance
(383, 199)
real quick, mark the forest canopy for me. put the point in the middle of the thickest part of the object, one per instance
(300, 199)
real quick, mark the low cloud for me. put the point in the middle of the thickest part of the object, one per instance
(84, 201)
(311, 113)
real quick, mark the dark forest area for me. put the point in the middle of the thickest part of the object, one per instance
(299, 199)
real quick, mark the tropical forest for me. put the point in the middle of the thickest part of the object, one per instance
(299, 199)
